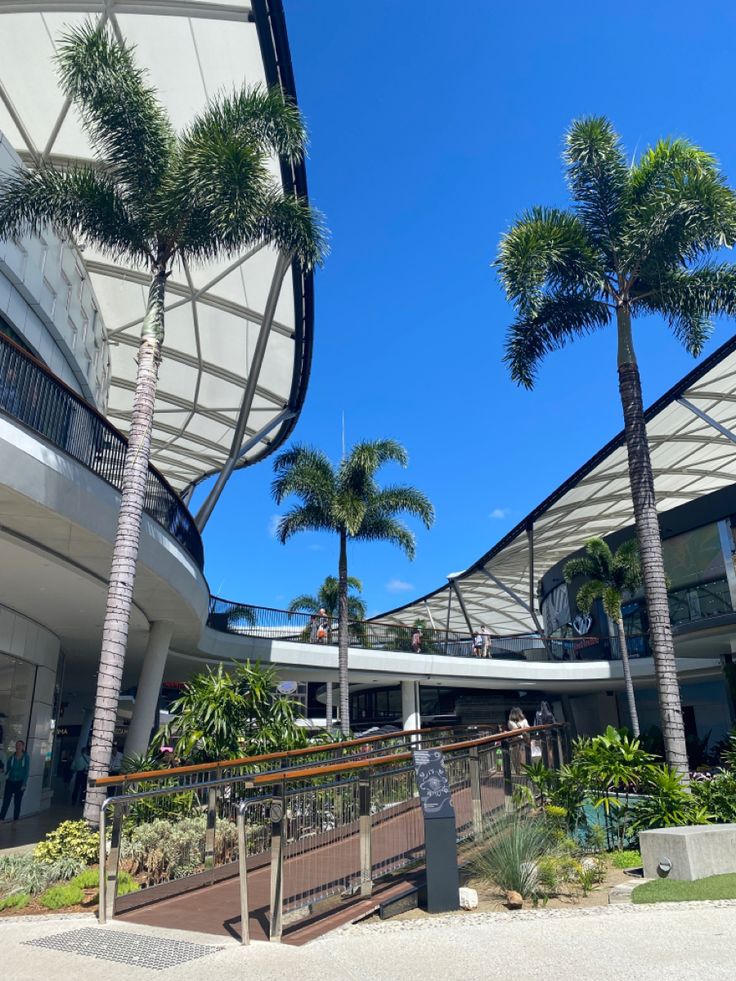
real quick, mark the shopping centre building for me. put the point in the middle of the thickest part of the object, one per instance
(232, 384)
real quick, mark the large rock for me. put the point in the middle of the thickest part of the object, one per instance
(468, 898)
(514, 900)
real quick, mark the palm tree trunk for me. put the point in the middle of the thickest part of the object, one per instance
(650, 547)
(342, 634)
(633, 714)
(125, 549)
(328, 705)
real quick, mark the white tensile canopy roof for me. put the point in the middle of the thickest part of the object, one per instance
(692, 432)
(215, 312)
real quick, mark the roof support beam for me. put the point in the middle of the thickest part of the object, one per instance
(236, 450)
(706, 418)
(532, 597)
(454, 585)
(510, 592)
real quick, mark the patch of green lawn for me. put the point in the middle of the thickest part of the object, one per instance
(672, 891)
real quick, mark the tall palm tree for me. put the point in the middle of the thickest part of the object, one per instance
(609, 575)
(155, 198)
(328, 599)
(346, 500)
(639, 239)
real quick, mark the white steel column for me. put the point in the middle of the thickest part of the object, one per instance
(410, 705)
(149, 687)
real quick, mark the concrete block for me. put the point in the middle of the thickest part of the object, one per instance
(692, 852)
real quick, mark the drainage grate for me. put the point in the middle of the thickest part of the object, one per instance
(135, 949)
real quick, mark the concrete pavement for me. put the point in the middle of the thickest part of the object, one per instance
(680, 942)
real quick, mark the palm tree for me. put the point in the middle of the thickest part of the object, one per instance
(328, 599)
(609, 575)
(638, 240)
(155, 198)
(347, 501)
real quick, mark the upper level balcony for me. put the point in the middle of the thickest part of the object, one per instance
(33, 396)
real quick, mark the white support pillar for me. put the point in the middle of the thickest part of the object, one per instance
(410, 705)
(149, 687)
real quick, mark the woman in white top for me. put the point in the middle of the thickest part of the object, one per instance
(517, 720)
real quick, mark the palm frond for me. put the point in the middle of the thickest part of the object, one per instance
(305, 517)
(379, 528)
(588, 593)
(127, 125)
(399, 498)
(581, 566)
(611, 598)
(304, 602)
(679, 208)
(597, 175)
(601, 556)
(255, 116)
(81, 202)
(546, 250)
(305, 472)
(559, 318)
(689, 298)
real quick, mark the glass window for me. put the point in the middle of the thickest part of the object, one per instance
(694, 557)
(16, 696)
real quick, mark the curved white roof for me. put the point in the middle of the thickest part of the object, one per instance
(192, 49)
(692, 432)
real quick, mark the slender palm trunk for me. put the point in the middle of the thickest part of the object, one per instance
(650, 547)
(125, 549)
(342, 633)
(624, 647)
(328, 705)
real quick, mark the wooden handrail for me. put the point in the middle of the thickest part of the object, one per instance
(327, 768)
(266, 757)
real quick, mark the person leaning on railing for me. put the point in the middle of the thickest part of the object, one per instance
(517, 720)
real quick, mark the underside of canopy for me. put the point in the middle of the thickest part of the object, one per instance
(215, 312)
(692, 432)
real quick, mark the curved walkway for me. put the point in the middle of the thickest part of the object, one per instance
(678, 941)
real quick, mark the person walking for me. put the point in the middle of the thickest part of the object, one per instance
(478, 644)
(80, 766)
(517, 720)
(416, 640)
(486, 635)
(16, 780)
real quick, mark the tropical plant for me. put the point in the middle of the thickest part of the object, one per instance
(666, 802)
(509, 858)
(347, 501)
(609, 576)
(224, 715)
(71, 839)
(328, 599)
(637, 241)
(717, 796)
(157, 198)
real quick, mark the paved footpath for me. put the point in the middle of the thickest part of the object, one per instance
(676, 942)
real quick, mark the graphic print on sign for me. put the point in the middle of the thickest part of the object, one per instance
(432, 784)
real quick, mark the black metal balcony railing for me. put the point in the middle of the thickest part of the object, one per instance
(700, 602)
(307, 628)
(33, 396)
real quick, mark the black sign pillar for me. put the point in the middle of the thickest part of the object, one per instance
(440, 833)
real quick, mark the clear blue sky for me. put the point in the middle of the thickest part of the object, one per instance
(432, 126)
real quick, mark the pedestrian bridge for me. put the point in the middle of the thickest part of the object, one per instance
(295, 844)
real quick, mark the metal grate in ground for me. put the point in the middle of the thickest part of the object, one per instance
(134, 949)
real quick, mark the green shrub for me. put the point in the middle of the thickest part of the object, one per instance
(72, 839)
(18, 900)
(666, 803)
(126, 884)
(28, 874)
(510, 857)
(57, 897)
(717, 796)
(629, 859)
(163, 850)
(87, 879)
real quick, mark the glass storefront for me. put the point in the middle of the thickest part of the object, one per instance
(17, 680)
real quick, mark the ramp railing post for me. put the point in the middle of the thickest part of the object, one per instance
(243, 874)
(474, 766)
(364, 824)
(209, 836)
(277, 867)
(102, 862)
(508, 783)
(112, 863)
